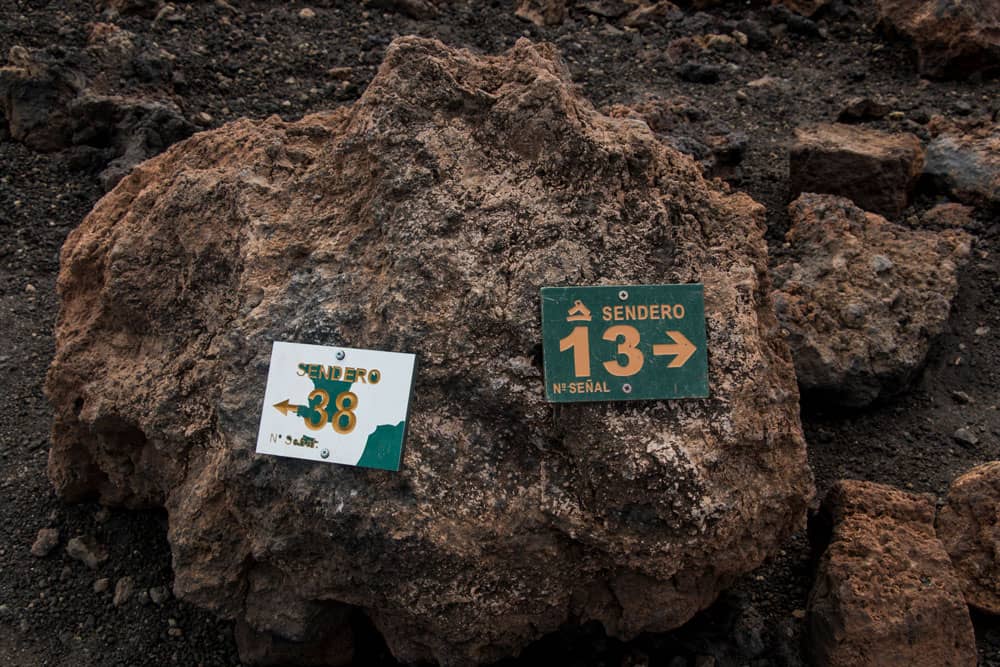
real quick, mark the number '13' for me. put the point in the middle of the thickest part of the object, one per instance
(627, 338)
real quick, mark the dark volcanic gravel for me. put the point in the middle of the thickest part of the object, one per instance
(254, 58)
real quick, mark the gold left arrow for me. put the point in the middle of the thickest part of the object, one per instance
(285, 407)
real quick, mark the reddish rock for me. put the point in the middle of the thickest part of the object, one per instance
(875, 170)
(860, 299)
(948, 215)
(424, 218)
(969, 527)
(952, 38)
(885, 593)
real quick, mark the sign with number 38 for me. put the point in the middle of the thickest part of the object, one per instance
(336, 405)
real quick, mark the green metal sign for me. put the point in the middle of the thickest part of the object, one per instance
(623, 343)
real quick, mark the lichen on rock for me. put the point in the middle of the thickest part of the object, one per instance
(425, 218)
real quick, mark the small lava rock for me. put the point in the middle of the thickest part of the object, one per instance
(966, 437)
(45, 542)
(123, 591)
(87, 550)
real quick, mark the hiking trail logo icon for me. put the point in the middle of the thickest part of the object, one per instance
(578, 313)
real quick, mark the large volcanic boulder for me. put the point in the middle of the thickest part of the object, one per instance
(969, 527)
(885, 594)
(861, 299)
(425, 218)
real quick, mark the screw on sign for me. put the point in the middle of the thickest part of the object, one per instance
(615, 343)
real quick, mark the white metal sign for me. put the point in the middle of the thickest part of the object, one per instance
(336, 405)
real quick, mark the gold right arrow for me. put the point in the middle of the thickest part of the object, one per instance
(681, 347)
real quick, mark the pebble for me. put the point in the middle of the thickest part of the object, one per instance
(982, 331)
(307, 13)
(881, 263)
(123, 591)
(102, 585)
(962, 397)
(87, 550)
(965, 436)
(159, 594)
(203, 119)
(45, 542)
(340, 73)
(29, 288)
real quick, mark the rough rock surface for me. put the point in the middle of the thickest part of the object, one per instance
(947, 215)
(963, 161)
(876, 170)
(58, 98)
(885, 593)
(425, 218)
(681, 124)
(952, 38)
(860, 299)
(969, 527)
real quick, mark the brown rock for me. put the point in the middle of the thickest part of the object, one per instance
(885, 593)
(963, 161)
(46, 540)
(124, 588)
(952, 38)
(861, 298)
(542, 12)
(948, 215)
(876, 170)
(425, 217)
(969, 527)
